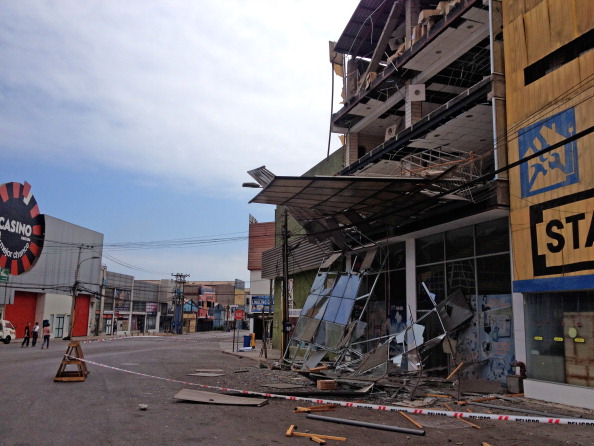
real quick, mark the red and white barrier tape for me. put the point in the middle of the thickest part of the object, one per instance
(475, 415)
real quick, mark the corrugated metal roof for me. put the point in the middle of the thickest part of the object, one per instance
(365, 27)
(304, 256)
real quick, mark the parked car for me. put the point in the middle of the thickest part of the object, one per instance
(7, 331)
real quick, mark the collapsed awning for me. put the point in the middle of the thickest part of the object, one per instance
(333, 194)
(326, 206)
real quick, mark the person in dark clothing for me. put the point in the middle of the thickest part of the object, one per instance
(26, 336)
(35, 334)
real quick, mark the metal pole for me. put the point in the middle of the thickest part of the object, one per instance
(285, 306)
(403, 430)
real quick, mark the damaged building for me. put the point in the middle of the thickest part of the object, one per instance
(396, 252)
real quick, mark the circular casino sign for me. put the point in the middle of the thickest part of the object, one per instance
(22, 228)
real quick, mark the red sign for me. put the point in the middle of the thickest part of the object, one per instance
(239, 314)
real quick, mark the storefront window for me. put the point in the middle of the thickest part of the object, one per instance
(559, 337)
(459, 243)
(474, 260)
(492, 237)
(430, 249)
(108, 304)
(138, 306)
(433, 276)
(494, 274)
(461, 274)
(151, 322)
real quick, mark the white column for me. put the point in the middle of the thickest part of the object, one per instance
(411, 281)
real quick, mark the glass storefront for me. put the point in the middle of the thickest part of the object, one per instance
(476, 261)
(559, 337)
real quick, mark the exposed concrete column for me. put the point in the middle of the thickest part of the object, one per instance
(412, 18)
(413, 112)
(352, 149)
(411, 280)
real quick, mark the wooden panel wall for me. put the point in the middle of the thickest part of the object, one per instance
(532, 30)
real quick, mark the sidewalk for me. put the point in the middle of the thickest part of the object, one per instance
(228, 346)
(225, 341)
(258, 354)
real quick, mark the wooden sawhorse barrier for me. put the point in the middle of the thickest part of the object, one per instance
(74, 350)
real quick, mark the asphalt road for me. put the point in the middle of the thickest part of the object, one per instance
(104, 409)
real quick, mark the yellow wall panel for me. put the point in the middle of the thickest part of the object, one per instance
(586, 65)
(516, 60)
(530, 4)
(538, 41)
(584, 12)
(561, 13)
(551, 196)
(512, 9)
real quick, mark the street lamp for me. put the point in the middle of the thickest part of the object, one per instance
(74, 290)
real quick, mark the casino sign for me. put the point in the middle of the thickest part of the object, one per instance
(22, 228)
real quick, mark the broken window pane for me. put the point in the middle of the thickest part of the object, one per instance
(434, 278)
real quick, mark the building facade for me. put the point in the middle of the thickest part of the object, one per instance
(54, 276)
(549, 72)
(261, 305)
(419, 209)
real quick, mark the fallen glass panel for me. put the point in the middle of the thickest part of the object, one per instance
(344, 321)
(455, 310)
(297, 350)
(313, 358)
(343, 314)
(332, 309)
(329, 335)
(375, 362)
(305, 329)
(341, 285)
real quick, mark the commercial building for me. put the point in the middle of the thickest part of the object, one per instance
(451, 110)
(415, 201)
(130, 306)
(549, 70)
(52, 267)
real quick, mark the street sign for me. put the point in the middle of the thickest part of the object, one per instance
(239, 314)
(4, 274)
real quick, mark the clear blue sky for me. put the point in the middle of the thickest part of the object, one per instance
(140, 119)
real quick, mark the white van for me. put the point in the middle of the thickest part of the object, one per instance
(7, 331)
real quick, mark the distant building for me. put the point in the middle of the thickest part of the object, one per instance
(260, 303)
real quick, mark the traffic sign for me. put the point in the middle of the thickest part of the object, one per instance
(4, 274)
(239, 314)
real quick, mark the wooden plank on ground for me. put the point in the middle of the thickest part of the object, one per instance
(217, 398)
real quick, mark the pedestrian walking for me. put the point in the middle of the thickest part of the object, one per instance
(46, 335)
(26, 336)
(35, 334)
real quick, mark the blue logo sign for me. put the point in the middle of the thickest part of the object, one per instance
(553, 169)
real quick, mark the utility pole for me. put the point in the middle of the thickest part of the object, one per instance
(285, 305)
(180, 279)
(75, 291)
